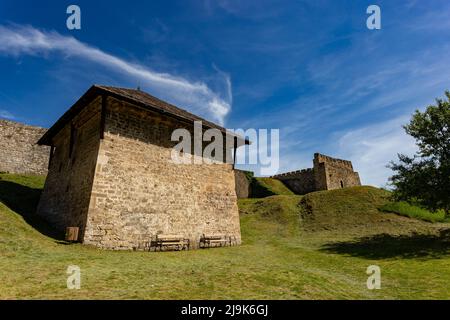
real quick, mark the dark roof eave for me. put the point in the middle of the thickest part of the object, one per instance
(94, 92)
(87, 98)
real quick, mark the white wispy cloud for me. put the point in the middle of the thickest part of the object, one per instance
(5, 114)
(17, 40)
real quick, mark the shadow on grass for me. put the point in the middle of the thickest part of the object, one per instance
(382, 246)
(24, 201)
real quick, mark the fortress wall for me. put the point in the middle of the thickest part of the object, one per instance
(19, 152)
(327, 173)
(335, 174)
(65, 199)
(320, 158)
(341, 177)
(300, 182)
(321, 180)
(242, 184)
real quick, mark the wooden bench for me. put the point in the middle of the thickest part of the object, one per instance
(214, 240)
(174, 241)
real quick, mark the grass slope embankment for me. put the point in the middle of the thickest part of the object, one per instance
(354, 211)
(283, 255)
(266, 187)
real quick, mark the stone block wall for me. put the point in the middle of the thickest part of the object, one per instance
(320, 176)
(300, 182)
(338, 173)
(19, 152)
(327, 174)
(65, 199)
(242, 184)
(138, 192)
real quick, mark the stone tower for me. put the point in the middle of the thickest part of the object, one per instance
(327, 173)
(112, 176)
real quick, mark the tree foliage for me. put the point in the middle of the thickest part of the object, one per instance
(425, 177)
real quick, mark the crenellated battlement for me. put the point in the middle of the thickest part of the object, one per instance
(293, 174)
(320, 158)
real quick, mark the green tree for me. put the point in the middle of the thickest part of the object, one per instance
(425, 177)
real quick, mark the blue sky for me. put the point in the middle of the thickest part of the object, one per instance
(309, 68)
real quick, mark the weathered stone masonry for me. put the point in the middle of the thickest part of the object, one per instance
(327, 174)
(19, 152)
(65, 199)
(120, 186)
(242, 184)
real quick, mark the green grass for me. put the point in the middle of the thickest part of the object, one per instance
(264, 187)
(312, 247)
(409, 210)
(344, 209)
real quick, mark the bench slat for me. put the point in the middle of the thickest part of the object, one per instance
(213, 236)
(169, 237)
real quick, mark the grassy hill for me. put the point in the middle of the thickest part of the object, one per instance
(264, 187)
(354, 210)
(313, 247)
